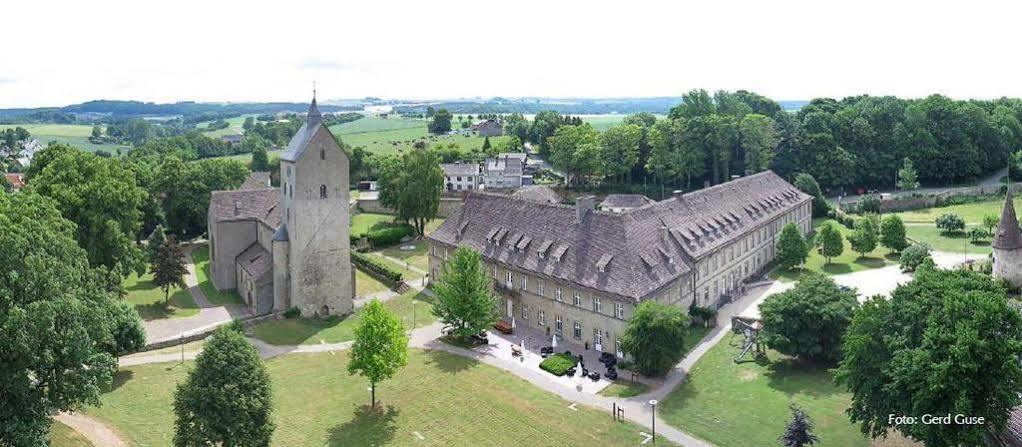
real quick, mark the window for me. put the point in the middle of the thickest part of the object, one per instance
(557, 294)
(289, 171)
(494, 271)
(525, 282)
(525, 312)
(540, 287)
(578, 298)
(508, 281)
(558, 325)
(459, 178)
(578, 331)
(322, 191)
(322, 154)
(597, 305)
(619, 310)
(597, 337)
(445, 253)
(542, 318)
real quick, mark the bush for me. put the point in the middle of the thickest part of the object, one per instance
(950, 224)
(375, 268)
(292, 312)
(913, 256)
(558, 364)
(702, 313)
(870, 204)
(385, 237)
(809, 320)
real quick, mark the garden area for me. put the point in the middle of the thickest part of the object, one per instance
(308, 331)
(921, 226)
(848, 261)
(437, 399)
(149, 301)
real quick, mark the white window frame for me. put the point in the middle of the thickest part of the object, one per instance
(525, 312)
(558, 325)
(557, 295)
(619, 310)
(542, 318)
(540, 287)
(509, 279)
(577, 331)
(597, 304)
(525, 283)
(578, 299)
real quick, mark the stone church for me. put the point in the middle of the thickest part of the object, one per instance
(288, 247)
(1007, 244)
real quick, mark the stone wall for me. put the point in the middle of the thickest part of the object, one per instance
(206, 332)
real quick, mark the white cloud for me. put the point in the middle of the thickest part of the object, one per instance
(62, 52)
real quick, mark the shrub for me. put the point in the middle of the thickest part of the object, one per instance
(376, 268)
(383, 237)
(870, 204)
(913, 256)
(292, 312)
(558, 364)
(950, 224)
(702, 313)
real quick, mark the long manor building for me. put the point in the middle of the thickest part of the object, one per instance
(579, 273)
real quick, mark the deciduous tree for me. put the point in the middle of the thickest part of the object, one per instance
(464, 295)
(380, 348)
(792, 248)
(831, 242)
(809, 320)
(655, 337)
(169, 267)
(892, 233)
(864, 238)
(412, 185)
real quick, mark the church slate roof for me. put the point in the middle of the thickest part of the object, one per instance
(296, 147)
(256, 261)
(1008, 236)
(247, 204)
(538, 194)
(631, 254)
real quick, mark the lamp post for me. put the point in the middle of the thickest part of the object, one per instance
(413, 314)
(652, 403)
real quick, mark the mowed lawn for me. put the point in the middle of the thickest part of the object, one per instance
(367, 285)
(972, 212)
(200, 256)
(958, 243)
(307, 331)
(364, 222)
(849, 260)
(63, 436)
(444, 398)
(148, 299)
(746, 404)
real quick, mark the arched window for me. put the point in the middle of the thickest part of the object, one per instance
(322, 154)
(322, 191)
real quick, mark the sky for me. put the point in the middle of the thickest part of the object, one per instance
(64, 52)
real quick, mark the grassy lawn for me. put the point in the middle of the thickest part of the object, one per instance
(416, 257)
(746, 404)
(367, 285)
(63, 436)
(392, 135)
(624, 388)
(191, 346)
(303, 331)
(957, 243)
(363, 222)
(407, 275)
(200, 256)
(148, 299)
(972, 212)
(848, 262)
(447, 399)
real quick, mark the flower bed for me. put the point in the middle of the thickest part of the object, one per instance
(558, 364)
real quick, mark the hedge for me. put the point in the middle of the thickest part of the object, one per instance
(558, 364)
(375, 268)
(384, 237)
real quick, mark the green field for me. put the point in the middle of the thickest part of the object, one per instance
(200, 256)
(366, 285)
(234, 127)
(447, 399)
(848, 262)
(363, 222)
(746, 404)
(391, 135)
(624, 388)
(304, 331)
(972, 212)
(73, 134)
(415, 258)
(957, 243)
(63, 436)
(148, 299)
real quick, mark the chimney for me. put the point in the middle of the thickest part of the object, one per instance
(237, 207)
(677, 193)
(706, 183)
(664, 235)
(584, 204)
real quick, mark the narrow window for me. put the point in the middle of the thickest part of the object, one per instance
(322, 154)
(322, 191)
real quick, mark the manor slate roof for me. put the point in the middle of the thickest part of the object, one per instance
(630, 254)
(625, 201)
(246, 204)
(1008, 236)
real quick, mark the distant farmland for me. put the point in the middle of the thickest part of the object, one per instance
(73, 134)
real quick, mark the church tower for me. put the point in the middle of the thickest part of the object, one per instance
(1007, 244)
(311, 248)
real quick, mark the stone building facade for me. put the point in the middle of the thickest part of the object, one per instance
(578, 273)
(288, 246)
(1007, 245)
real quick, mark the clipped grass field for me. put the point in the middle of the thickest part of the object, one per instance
(446, 399)
(366, 285)
(972, 212)
(955, 243)
(415, 258)
(624, 388)
(148, 299)
(63, 436)
(307, 331)
(200, 256)
(363, 222)
(391, 135)
(849, 260)
(746, 404)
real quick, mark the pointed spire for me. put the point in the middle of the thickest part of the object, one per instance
(1008, 236)
(314, 117)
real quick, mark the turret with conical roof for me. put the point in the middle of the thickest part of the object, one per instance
(1008, 236)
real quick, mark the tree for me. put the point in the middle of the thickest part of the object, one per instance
(892, 233)
(948, 342)
(227, 399)
(990, 221)
(914, 256)
(380, 347)
(977, 234)
(97, 131)
(248, 124)
(412, 185)
(441, 122)
(870, 204)
(907, 177)
(260, 160)
(672, 156)
(655, 337)
(57, 321)
(807, 184)
(792, 249)
(169, 267)
(799, 431)
(809, 320)
(464, 295)
(758, 140)
(126, 328)
(155, 243)
(185, 189)
(620, 149)
(102, 198)
(831, 242)
(486, 145)
(864, 238)
(950, 224)
(576, 151)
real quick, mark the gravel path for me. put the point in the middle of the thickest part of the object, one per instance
(95, 431)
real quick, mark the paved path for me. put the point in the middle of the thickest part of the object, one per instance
(96, 432)
(210, 315)
(404, 263)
